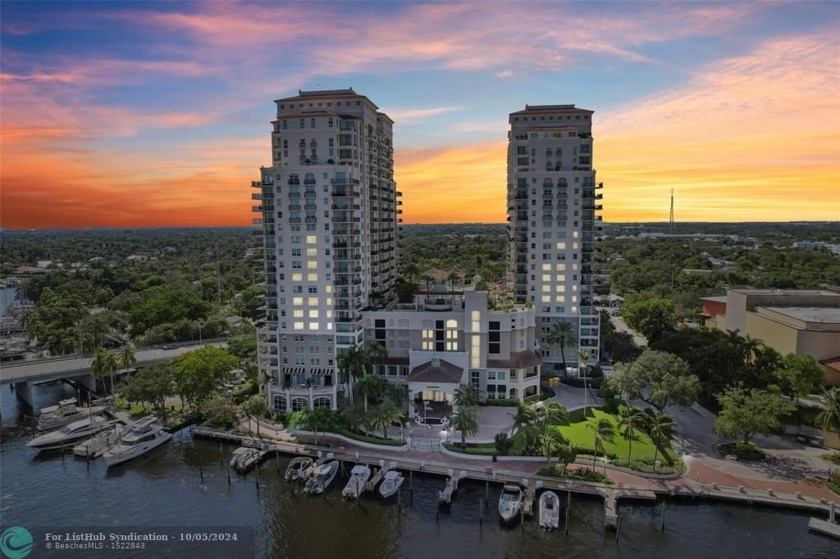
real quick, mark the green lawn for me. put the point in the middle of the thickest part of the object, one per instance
(584, 437)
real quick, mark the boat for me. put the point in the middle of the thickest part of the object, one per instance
(101, 442)
(391, 484)
(359, 476)
(144, 435)
(70, 434)
(510, 502)
(64, 413)
(297, 468)
(549, 510)
(321, 478)
(244, 458)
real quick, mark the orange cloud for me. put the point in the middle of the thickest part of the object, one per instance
(453, 185)
(750, 138)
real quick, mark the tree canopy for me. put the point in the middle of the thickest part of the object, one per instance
(658, 378)
(747, 412)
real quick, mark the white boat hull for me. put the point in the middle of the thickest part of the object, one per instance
(359, 477)
(510, 503)
(549, 510)
(100, 443)
(390, 486)
(124, 455)
(321, 478)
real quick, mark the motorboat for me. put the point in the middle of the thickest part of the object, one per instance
(391, 484)
(297, 468)
(144, 435)
(101, 442)
(321, 478)
(549, 510)
(64, 413)
(359, 476)
(70, 434)
(510, 502)
(244, 458)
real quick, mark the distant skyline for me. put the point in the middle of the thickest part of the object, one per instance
(146, 114)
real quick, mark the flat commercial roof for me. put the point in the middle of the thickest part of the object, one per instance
(828, 315)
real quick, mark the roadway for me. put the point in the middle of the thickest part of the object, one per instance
(63, 367)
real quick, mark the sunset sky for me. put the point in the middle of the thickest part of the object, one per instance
(134, 114)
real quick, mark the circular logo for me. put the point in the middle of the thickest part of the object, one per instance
(16, 542)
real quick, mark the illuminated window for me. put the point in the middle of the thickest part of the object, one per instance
(561, 245)
(561, 277)
(297, 276)
(311, 264)
(313, 313)
(312, 301)
(314, 325)
(329, 301)
(310, 252)
(328, 289)
(560, 267)
(297, 301)
(560, 299)
(546, 288)
(311, 239)
(312, 277)
(298, 326)
(546, 277)
(545, 299)
(546, 267)
(475, 351)
(298, 313)
(475, 318)
(428, 340)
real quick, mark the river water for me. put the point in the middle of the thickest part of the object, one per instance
(165, 489)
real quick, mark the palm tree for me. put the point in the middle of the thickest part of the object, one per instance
(562, 336)
(103, 364)
(629, 420)
(549, 441)
(551, 414)
(584, 355)
(828, 418)
(384, 415)
(353, 363)
(370, 386)
(466, 395)
(604, 431)
(377, 352)
(661, 426)
(453, 278)
(465, 420)
(126, 357)
(525, 415)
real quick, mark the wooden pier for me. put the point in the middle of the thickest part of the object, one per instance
(528, 503)
(611, 497)
(824, 527)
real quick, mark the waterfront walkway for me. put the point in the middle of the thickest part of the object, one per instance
(706, 477)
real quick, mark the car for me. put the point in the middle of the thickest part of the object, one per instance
(168, 346)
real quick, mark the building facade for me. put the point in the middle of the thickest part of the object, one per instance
(328, 220)
(553, 204)
(446, 339)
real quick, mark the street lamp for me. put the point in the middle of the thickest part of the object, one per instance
(198, 322)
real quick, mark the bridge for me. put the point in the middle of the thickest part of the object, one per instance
(23, 375)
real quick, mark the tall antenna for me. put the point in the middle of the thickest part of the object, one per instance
(671, 220)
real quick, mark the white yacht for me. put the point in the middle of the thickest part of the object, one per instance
(64, 413)
(297, 468)
(101, 442)
(70, 434)
(510, 502)
(549, 510)
(145, 434)
(391, 484)
(359, 476)
(321, 478)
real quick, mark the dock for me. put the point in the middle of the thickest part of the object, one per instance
(483, 472)
(824, 527)
(528, 503)
(445, 496)
(611, 497)
(379, 475)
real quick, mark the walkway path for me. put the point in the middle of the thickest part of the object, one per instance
(704, 475)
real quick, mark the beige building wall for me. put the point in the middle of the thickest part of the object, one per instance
(781, 337)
